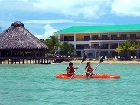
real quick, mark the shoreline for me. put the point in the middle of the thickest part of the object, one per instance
(92, 61)
(106, 61)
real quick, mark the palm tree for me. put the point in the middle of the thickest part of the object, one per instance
(53, 43)
(127, 47)
(67, 49)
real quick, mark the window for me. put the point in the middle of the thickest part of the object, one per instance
(68, 38)
(132, 36)
(104, 37)
(123, 36)
(90, 54)
(86, 38)
(95, 46)
(82, 46)
(95, 37)
(113, 37)
(86, 46)
(79, 46)
(114, 45)
(103, 53)
(104, 46)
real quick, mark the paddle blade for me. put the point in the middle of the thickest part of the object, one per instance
(102, 59)
(84, 57)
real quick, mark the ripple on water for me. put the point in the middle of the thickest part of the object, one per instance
(37, 85)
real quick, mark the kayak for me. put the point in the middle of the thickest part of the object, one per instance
(99, 76)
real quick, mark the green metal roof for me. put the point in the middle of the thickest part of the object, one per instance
(103, 28)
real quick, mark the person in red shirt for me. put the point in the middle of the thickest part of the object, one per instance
(71, 70)
(89, 70)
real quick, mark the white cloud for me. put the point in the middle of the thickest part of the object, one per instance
(56, 21)
(126, 7)
(16, 5)
(48, 21)
(49, 30)
(75, 8)
(83, 8)
(24, 0)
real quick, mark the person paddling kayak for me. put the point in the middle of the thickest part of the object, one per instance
(71, 70)
(89, 70)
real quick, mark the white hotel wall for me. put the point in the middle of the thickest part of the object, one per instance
(90, 42)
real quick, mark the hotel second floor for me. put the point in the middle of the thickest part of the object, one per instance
(99, 40)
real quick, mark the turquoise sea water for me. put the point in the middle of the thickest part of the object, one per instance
(37, 85)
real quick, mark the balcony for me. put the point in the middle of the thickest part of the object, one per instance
(82, 46)
(103, 47)
(138, 37)
(68, 38)
(108, 38)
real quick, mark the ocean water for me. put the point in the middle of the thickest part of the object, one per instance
(37, 85)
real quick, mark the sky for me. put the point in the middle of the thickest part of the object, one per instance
(44, 17)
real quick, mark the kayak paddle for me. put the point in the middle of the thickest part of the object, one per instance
(83, 59)
(101, 60)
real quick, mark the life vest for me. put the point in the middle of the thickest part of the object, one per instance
(70, 70)
(89, 69)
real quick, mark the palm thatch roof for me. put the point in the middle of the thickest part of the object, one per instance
(18, 37)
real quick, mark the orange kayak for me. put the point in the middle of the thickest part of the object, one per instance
(100, 76)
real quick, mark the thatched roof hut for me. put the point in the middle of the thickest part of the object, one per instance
(17, 43)
(18, 37)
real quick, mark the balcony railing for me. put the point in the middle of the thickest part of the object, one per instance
(137, 37)
(117, 38)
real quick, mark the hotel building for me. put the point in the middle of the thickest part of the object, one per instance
(99, 40)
